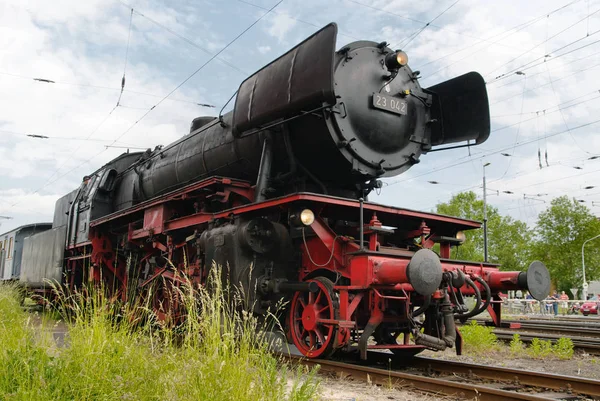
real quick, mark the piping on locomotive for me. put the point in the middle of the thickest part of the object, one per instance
(276, 192)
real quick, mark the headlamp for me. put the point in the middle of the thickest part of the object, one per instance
(303, 217)
(395, 60)
(461, 237)
(307, 217)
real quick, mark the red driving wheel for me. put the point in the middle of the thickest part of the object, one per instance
(311, 314)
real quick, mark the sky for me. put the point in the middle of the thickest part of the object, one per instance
(540, 60)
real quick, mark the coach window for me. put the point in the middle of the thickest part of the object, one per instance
(5, 247)
(10, 248)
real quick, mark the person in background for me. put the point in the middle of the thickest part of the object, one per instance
(529, 303)
(544, 306)
(564, 302)
(555, 299)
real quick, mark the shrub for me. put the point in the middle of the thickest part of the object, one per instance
(479, 339)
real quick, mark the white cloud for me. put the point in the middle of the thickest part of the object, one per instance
(264, 49)
(281, 25)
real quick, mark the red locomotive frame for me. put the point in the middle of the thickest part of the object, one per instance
(318, 322)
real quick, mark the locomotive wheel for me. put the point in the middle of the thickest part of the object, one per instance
(312, 336)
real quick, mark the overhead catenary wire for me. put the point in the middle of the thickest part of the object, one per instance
(563, 118)
(547, 61)
(514, 191)
(86, 85)
(521, 174)
(126, 56)
(441, 28)
(544, 111)
(516, 28)
(180, 36)
(528, 195)
(518, 126)
(299, 20)
(548, 83)
(49, 180)
(544, 59)
(499, 150)
(412, 37)
(539, 44)
(198, 70)
(52, 137)
(549, 109)
(164, 98)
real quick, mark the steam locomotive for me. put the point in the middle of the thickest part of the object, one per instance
(276, 192)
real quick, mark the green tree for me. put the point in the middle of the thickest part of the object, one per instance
(509, 240)
(561, 230)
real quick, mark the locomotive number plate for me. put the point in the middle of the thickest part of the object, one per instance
(389, 103)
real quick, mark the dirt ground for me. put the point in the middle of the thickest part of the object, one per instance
(347, 390)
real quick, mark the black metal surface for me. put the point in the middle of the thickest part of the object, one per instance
(249, 252)
(293, 286)
(425, 272)
(264, 173)
(462, 110)
(199, 122)
(356, 142)
(538, 280)
(301, 78)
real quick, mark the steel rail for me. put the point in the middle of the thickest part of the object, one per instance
(557, 321)
(589, 345)
(577, 329)
(568, 384)
(425, 383)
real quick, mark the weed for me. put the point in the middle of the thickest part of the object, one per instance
(540, 348)
(563, 348)
(479, 339)
(516, 345)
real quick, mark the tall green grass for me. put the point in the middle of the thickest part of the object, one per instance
(117, 351)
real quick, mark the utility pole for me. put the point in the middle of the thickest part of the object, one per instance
(485, 250)
(585, 284)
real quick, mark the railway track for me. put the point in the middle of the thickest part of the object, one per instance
(586, 344)
(585, 335)
(461, 380)
(562, 327)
